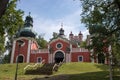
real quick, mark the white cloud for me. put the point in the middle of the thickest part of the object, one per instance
(70, 22)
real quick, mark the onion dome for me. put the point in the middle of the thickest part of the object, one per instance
(61, 31)
(80, 33)
(27, 30)
(71, 34)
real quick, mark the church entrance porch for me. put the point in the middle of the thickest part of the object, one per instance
(59, 57)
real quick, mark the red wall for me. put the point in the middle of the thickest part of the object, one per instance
(86, 56)
(33, 57)
(64, 45)
(23, 50)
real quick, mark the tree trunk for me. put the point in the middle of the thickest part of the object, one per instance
(3, 5)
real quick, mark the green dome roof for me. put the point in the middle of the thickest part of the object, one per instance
(27, 30)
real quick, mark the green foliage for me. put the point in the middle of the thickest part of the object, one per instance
(10, 22)
(41, 42)
(83, 44)
(102, 18)
(6, 58)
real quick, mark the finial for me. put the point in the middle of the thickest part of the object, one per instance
(29, 13)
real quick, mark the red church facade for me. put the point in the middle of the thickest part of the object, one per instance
(59, 48)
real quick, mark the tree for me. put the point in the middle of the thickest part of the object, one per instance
(41, 42)
(102, 18)
(10, 22)
(3, 5)
(83, 44)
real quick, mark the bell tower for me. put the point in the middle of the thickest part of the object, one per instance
(71, 36)
(80, 35)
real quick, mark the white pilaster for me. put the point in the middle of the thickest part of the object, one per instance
(67, 57)
(70, 57)
(28, 52)
(13, 51)
(70, 47)
(49, 58)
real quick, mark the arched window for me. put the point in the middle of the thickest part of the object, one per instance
(80, 58)
(39, 59)
(20, 59)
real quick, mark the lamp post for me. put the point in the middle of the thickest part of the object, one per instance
(20, 43)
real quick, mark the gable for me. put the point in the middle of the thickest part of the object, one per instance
(59, 39)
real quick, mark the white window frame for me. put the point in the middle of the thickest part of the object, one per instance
(79, 60)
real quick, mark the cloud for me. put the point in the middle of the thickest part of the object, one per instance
(70, 22)
(48, 16)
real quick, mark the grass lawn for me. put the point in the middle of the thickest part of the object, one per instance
(68, 71)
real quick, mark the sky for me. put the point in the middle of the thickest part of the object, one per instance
(48, 15)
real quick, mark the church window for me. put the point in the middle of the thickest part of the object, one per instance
(80, 58)
(39, 59)
(59, 45)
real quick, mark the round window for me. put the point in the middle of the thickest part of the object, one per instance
(59, 45)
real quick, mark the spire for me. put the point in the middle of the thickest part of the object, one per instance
(29, 13)
(61, 31)
(61, 25)
(28, 21)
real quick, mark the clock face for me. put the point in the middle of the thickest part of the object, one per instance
(59, 45)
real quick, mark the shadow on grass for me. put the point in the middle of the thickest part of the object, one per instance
(102, 75)
(102, 67)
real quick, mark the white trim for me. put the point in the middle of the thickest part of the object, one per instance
(70, 57)
(27, 38)
(82, 58)
(50, 58)
(67, 57)
(28, 51)
(38, 58)
(70, 53)
(56, 52)
(13, 51)
(67, 41)
(70, 47)
(20, 55)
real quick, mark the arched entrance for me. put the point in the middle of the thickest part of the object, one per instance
(20, 59)
(59, 56)
(101, 58)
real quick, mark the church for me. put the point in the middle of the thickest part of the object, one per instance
(59, 48)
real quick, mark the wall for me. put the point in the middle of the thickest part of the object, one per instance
(23, 50)
(86, 56)
(33, 57)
